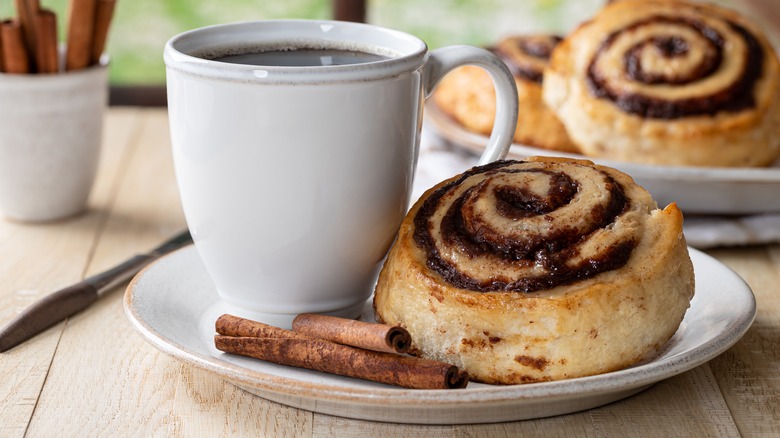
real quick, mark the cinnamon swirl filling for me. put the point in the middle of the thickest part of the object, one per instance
(525, 226)
(527, 55)
(668, 67)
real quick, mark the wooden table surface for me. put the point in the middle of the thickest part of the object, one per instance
(93, 375)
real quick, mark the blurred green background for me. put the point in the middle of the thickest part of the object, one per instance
(141, 27)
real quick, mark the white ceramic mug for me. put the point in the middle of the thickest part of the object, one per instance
(294, 180)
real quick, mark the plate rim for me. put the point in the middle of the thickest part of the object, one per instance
(621, 380)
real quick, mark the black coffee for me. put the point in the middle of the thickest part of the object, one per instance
(301, 58)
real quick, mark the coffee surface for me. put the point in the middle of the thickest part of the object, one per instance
(301, 58)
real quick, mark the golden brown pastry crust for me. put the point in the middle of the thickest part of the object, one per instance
(591, 323)
(467, 94)
(668, 82)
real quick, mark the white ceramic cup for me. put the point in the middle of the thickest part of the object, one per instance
(294, 180)
(50, 137)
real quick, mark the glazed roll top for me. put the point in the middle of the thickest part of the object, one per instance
(543, 269)
(527, 55)
(529, 226)
(668, 82)
(678, 61)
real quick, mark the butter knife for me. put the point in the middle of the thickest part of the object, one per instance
(59, 305)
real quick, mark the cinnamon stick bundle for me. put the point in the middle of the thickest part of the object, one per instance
(371, 336)
(289, 348)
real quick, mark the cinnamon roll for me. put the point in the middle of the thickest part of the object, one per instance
(537, 270)
(467, 94)
(668, 82)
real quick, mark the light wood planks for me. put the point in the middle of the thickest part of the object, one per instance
(95, 376)
(36, 260)
(749, 373)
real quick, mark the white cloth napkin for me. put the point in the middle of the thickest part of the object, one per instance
(713, 231)
(439, 161)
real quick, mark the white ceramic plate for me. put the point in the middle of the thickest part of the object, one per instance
(173, 304)
(705, 190)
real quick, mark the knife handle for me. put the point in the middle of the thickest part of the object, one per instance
(65, 302)
(47, 312)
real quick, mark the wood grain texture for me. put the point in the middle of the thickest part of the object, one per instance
(95, 376)
(110, 377)
(749, 373)
(39, 259)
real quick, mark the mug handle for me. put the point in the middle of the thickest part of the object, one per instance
(442, 61)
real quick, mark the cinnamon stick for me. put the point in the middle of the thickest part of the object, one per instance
(343, 360)
(15, 55)
(28, 11)
(371, 336)
(46, 60)
(104, 11)
(230, 325)
(81, 26)
(285, 347)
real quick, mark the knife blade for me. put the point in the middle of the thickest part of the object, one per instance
(63, 303)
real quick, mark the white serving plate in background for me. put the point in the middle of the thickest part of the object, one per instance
(699, 190)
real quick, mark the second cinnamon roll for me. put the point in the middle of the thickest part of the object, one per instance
(468, 97)
(668, 82)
